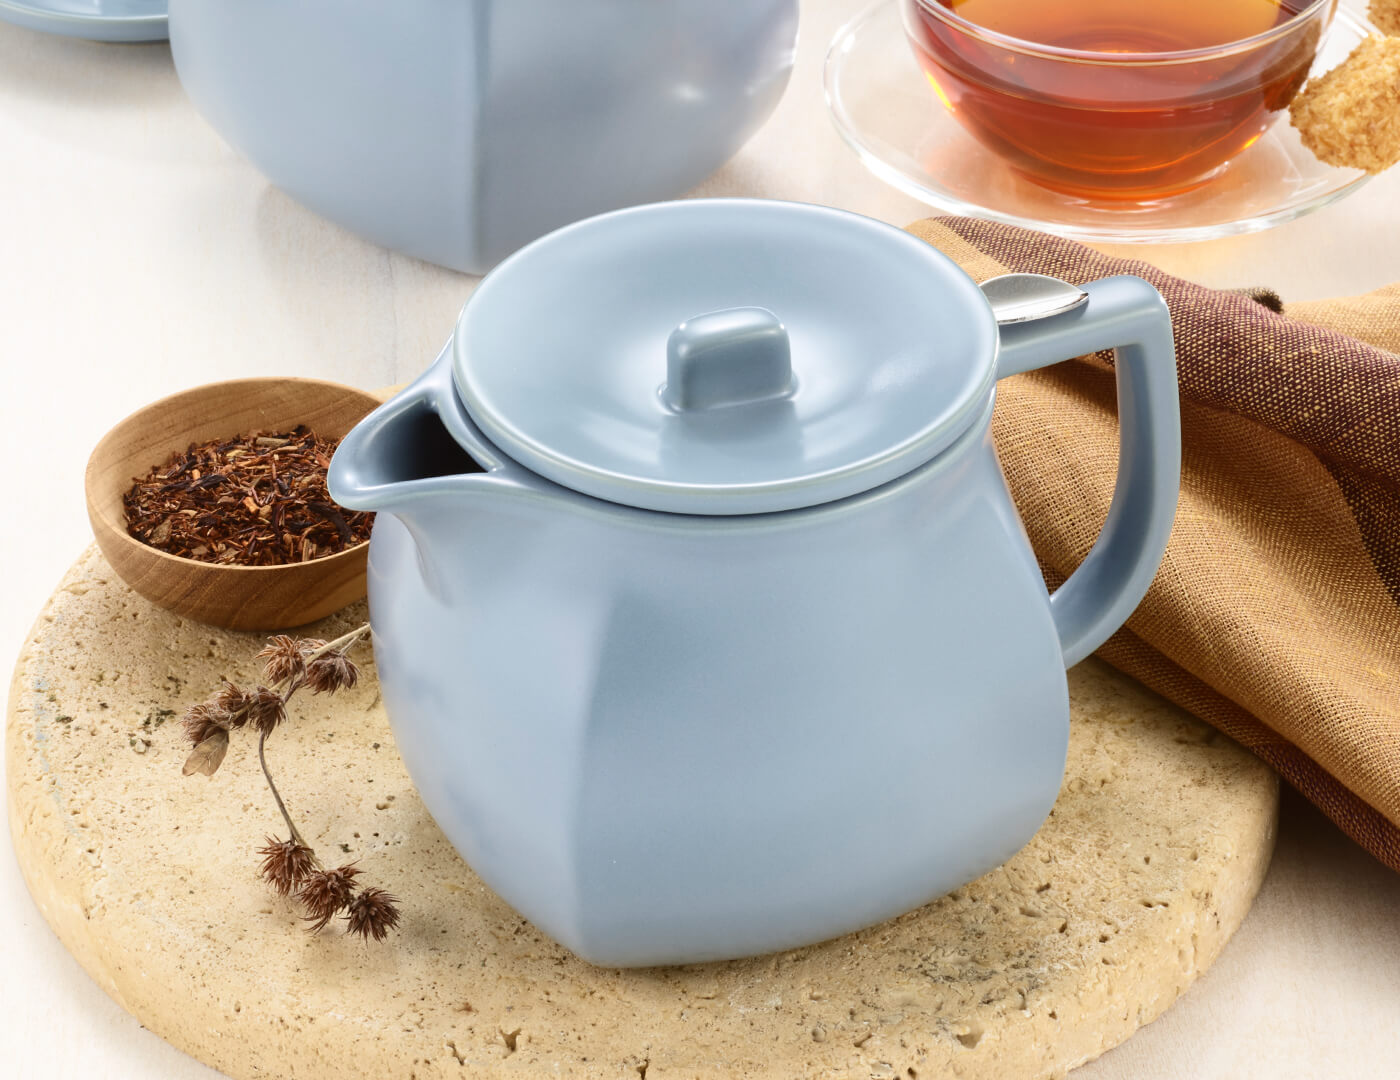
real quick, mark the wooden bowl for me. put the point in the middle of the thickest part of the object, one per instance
(234, 597)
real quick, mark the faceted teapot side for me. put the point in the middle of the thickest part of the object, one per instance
(666, 738)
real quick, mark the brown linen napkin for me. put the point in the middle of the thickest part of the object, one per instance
(1276, 614)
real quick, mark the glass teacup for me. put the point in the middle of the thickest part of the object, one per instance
(1108, 103)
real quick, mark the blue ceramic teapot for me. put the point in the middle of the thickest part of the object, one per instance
(458, 130)
(704, 619)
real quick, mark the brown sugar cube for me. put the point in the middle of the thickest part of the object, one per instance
(1385, 14)
(1351, 115)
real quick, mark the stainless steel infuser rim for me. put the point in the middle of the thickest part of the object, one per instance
(726, 356)
(1018, 298)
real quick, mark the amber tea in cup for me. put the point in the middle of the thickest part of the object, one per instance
(1129, 99)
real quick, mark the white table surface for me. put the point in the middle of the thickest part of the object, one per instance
(140, 255)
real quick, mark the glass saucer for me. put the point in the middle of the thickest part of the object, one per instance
(883, 108)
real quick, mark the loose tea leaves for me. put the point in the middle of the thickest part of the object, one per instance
(253, 500)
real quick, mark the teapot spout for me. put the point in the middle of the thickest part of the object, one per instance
(412, 450)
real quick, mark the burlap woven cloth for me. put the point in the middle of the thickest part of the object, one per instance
(1275, 616)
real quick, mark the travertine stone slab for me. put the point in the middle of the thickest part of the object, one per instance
(1152, 856)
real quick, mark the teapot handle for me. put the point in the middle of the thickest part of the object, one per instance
(1129, 316)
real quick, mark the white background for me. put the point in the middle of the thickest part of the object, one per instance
(139, 255)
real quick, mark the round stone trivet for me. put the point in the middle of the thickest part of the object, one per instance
(1149, 861)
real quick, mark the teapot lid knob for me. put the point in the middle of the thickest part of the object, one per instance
(729, 357)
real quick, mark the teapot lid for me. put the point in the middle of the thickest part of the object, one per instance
(725, 356)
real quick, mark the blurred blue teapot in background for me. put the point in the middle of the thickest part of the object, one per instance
(458, 130)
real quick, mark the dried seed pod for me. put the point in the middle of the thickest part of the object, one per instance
(266, 710)
(201, 721)
(331, 672)
(286, 864)
(372, 914)
(284, 659)
(234, 701)
(326, 893)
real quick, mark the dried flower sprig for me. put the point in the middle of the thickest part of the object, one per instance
(291, 867)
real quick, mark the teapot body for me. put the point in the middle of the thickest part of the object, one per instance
(458, 130)
(704, 618)
(670, 739)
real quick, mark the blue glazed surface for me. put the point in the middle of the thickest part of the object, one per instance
(670, 738)
(1128, 315)
(561, 356)
(459, 130)
(733, 356)
(96, 20)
